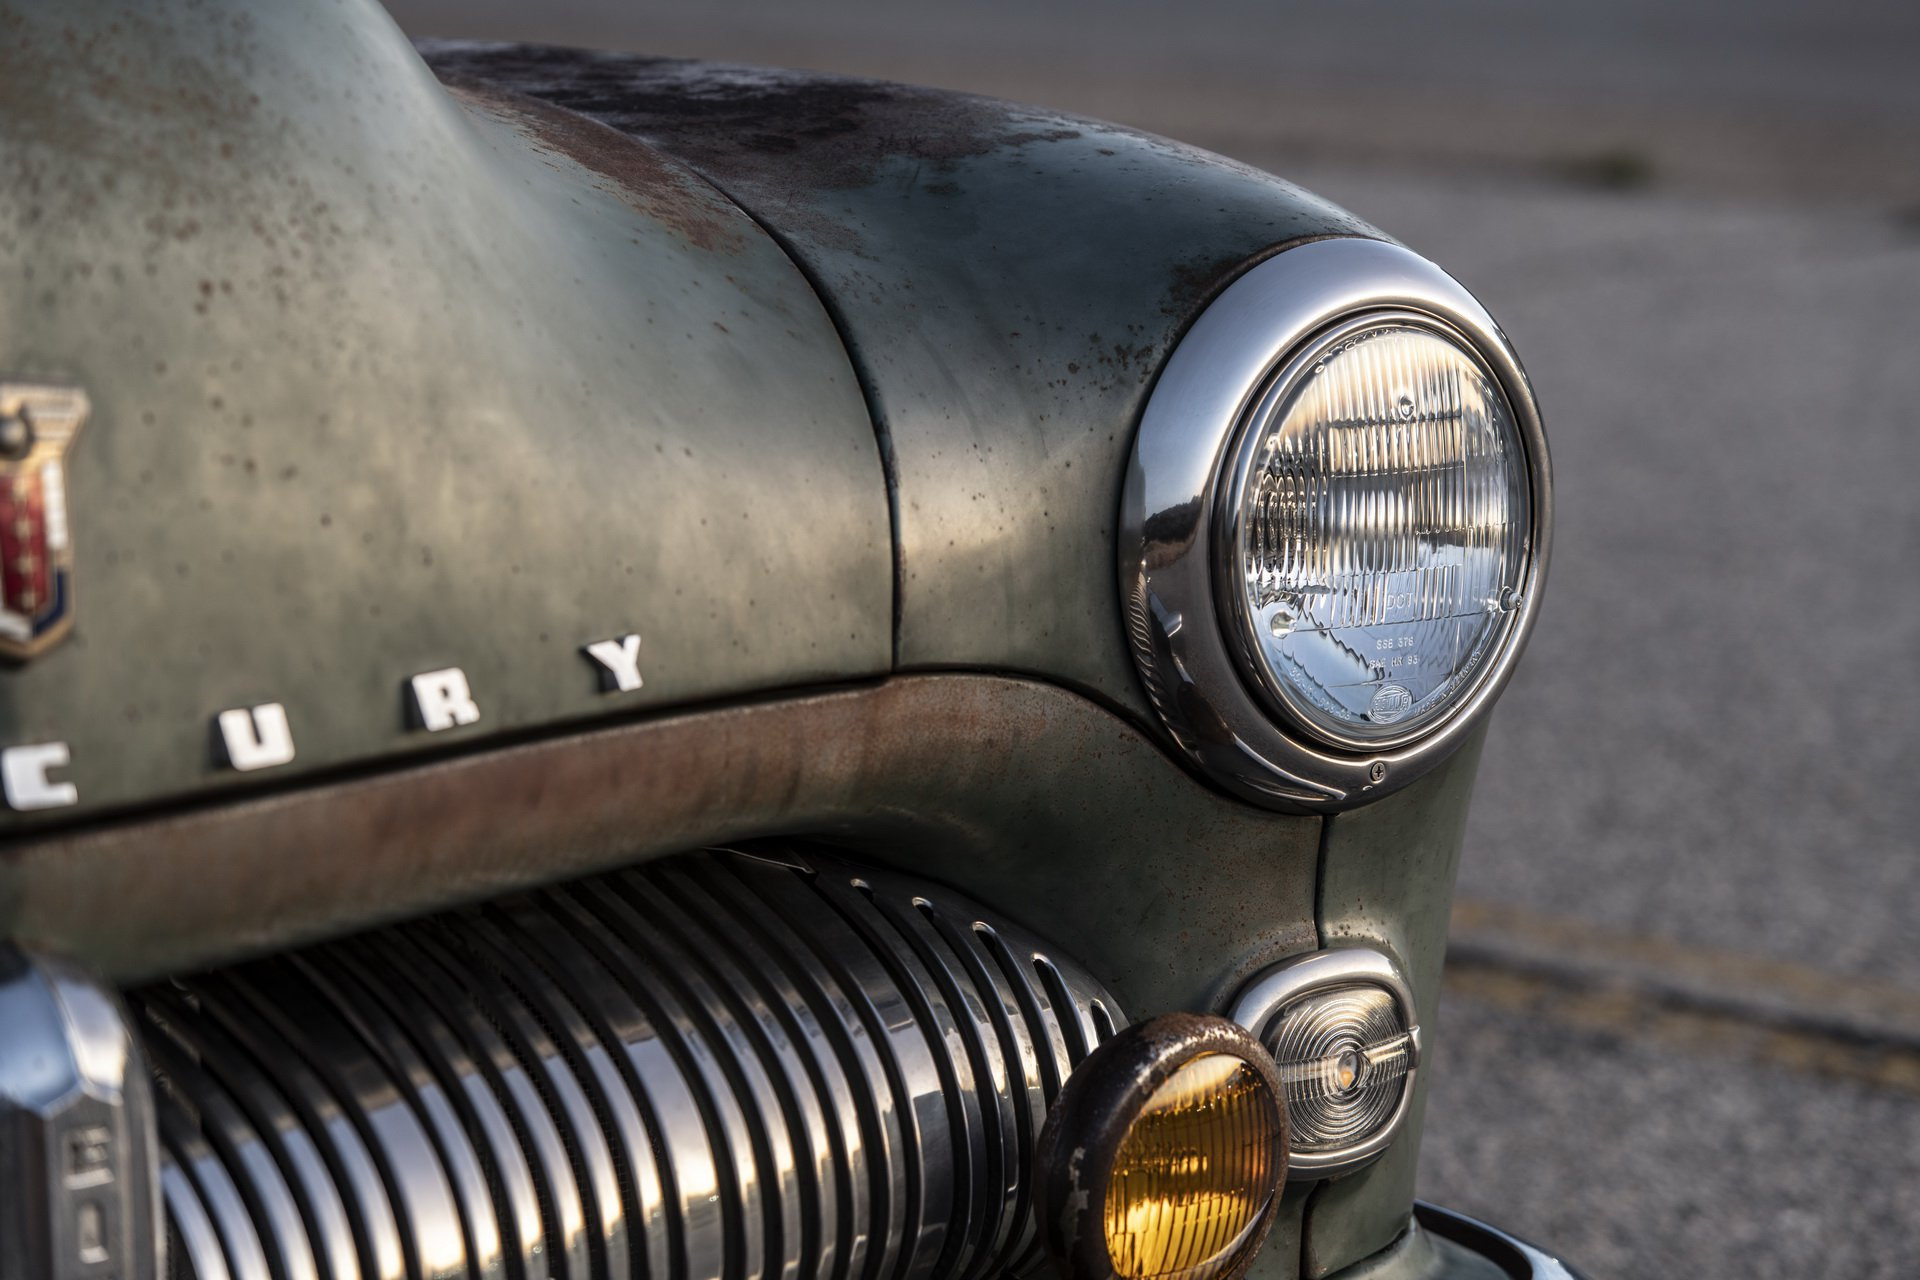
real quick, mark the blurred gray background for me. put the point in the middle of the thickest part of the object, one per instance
(1681, 1033)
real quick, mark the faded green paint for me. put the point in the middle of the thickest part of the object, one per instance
(387, 379)
(1008, 279)
(385, 382)
(1387, 881)
(1279, 1257)
(1421, 1255)
(1074, 823)
(1033, 799)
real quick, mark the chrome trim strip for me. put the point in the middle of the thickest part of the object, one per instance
(1516, 1257)
(1187, 656)
(77, 1125)
(1271, 991)
(716, 1065)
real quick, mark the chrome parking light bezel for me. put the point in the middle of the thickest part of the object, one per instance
(1286, 984)
(1182, 472)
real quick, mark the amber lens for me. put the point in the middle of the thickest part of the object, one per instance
(1194, 1173)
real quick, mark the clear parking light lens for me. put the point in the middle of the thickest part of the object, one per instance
(1379, 537)
(1344, 1056)
(1194, 1173)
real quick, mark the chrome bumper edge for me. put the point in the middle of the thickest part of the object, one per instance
(1516, 1258)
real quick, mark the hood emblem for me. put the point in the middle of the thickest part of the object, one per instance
(36, 545)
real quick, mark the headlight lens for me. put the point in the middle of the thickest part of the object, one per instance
(1378, 530)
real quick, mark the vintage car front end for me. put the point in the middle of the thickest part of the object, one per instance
(626, 667)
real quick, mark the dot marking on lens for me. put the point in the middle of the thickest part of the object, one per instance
(1390, 702)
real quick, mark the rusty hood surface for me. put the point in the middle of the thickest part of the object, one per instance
(387, 379)
(798, 379)
(1009, 280)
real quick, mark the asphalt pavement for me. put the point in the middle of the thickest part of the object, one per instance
(1712, 741)
(1681, 1034)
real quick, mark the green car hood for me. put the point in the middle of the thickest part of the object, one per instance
(1009, 280)
(801, 380)
(388, 380)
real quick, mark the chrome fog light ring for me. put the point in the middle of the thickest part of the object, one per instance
(1339, 995)
(1164, 1155)
(1197, 659)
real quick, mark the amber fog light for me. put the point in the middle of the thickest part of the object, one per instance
(1164, 1154)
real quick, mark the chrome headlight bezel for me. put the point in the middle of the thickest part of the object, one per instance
(1175, 517)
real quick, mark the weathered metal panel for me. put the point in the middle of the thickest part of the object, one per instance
(1035, 799)
(1009, 280)
(1387, 875)
(386, 380)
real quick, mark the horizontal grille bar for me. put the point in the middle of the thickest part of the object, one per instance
(721, 1066)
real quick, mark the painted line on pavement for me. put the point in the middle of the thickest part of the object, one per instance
(1724, 1002)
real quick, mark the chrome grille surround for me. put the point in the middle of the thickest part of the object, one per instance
(720, 1065)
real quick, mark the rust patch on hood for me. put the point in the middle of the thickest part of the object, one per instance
(651, 183)
(770, 137)
(208, 882)
(795, 145)
(835, 130)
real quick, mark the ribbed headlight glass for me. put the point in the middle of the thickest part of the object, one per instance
(1378, 530)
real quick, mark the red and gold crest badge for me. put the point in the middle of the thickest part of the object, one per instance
(36, 542)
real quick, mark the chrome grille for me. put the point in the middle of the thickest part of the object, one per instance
(715, 1067)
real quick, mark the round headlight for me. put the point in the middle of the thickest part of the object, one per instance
(1377, 530)
(1335, 526)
